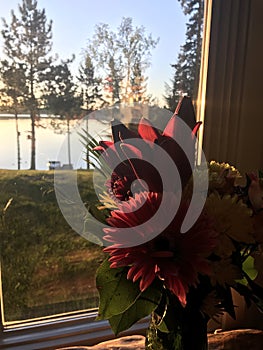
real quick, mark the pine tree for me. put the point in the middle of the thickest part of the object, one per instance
(92, 96)
(62, 98)
(113, 81)
(91, 86)
(186, 76)
(27, 41)
(138, 84)
(12, 94)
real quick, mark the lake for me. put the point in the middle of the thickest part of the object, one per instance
(51, 145)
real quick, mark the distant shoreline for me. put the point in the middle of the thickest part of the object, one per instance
(7, 116)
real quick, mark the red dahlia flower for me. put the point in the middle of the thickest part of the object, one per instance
(133, 155)
(173, 257)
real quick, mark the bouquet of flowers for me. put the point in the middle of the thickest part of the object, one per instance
(181, 277)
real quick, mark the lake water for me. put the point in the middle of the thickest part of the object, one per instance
(50, 145)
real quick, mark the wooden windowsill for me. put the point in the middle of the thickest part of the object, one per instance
(240, 339)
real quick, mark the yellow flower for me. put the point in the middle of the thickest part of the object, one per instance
(108, 201)
(232, 219)
(225, 246)
(216, 167)
(225, 273)
(222, 177)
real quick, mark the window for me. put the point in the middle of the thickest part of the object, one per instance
(47, 270)
(48, 294)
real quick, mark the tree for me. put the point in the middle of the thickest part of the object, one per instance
(186, 76)
(91, 87)
(14, 81)
(118, 53)
(138, 84)
(27, 42)
(62, 97)
(103, 50)
(136, 48)
(113, 80)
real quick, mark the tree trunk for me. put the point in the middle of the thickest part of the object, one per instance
(69, 150)
(33, 141)
(18, 143)
(87, 150)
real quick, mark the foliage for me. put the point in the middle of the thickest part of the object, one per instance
(123, 309)
(61, 92)
(113, 70)
(62, 98)
(14, 80)
(91, 86)
(13, 93)
(122, 57)
(186, 69)
(138, 83)
(27, 44)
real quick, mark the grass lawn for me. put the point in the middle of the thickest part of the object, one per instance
(47, 268)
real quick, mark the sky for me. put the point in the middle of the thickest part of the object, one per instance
(74, 23)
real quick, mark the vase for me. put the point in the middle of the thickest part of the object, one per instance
(182, 328)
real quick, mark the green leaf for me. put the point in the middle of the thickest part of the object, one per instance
(117, 294)
(249, 269)
(144, 305)
(163, 327)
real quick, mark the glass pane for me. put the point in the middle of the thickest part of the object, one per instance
(47, 267)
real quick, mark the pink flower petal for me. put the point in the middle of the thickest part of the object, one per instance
(147, 280)
(196, 128)
(170, 129)
(103, 145)
(130, 151)
(147, 131)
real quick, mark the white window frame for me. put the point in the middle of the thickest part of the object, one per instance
(71, 330)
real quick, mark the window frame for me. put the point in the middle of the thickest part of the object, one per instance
(72, 330)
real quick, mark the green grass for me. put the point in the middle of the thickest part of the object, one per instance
(46, 267)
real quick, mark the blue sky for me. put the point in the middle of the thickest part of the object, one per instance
(74, 22)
